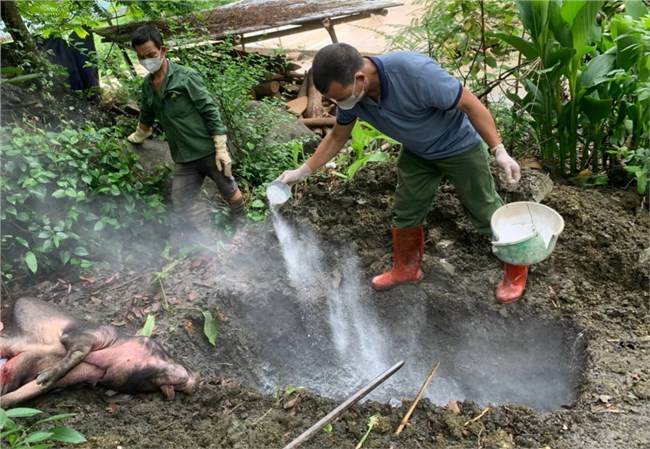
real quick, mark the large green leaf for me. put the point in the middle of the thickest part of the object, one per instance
(147, 329)
(22, 412)
(515, 99)
(596, 109)
(597, 70)
(534, 16)
(30, 260)
(377, 156)
(4, 419)
(555, 54)
(525, 47)
(65, 434)
(636, 9)
(210, 327)
(581, 17)
(628, 51)
(35, 437)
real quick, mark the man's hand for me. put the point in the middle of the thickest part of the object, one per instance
(222, 158)
(509, 166)
(291, 177)
(140, 135)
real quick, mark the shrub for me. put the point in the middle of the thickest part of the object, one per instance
(68, 195)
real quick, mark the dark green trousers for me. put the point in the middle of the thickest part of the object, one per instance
(418, 180)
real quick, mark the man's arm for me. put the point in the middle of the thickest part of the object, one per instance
(205, 104)
(146, 120)
(480, 118)
(327, 149)
(483, 122)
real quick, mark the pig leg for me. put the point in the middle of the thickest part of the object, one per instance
(23, 368)
(84, 373)
(78, 343)
(27, 391)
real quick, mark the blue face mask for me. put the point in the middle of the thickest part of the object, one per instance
(352, 100)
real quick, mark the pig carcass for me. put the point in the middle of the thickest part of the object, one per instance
(43, 348)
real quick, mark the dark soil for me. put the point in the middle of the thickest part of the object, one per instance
(596, 280)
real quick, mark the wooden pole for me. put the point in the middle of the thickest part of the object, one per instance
(317, 122)
(344, 406)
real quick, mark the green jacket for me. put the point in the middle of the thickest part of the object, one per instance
(186, 111)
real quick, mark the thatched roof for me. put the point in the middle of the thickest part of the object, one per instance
(251, 20)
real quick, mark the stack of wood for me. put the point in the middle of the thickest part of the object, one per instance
(312, 109)
(303, 99)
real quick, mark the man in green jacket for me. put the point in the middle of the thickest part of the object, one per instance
(177, 96)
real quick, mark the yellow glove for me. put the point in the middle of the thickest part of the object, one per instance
(140, 135)
(222, 158)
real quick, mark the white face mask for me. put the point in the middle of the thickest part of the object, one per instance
(352, 100)
(151, 64)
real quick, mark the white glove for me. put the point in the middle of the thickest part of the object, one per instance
(291, 177)
(509, 166)
(222, 158)
(139, 135)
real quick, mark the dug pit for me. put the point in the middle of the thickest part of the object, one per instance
(331, 334)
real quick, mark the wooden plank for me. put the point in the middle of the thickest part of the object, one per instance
(298, 105)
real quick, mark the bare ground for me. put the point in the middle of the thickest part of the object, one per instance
(595, 280)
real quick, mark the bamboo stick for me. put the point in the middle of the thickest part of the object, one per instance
(417, 399)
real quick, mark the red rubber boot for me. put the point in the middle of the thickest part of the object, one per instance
(511, 287)
(408, 249)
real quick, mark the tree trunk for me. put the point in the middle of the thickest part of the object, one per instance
(16, 27)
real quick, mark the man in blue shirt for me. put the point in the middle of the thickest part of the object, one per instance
(442, 127)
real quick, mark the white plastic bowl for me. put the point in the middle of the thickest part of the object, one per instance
(277, 192)
(525, 232)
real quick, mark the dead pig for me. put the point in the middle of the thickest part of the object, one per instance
(44, 348)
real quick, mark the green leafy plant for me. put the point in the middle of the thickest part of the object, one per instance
(587, 86)
(637, 164)
(61, 187)
(372, 421)
(559, 37)
(515, 127)
(288, 391)
(367, 146)
(456, 35)
(37, 435)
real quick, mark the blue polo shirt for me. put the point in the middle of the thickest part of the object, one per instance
(417, 107)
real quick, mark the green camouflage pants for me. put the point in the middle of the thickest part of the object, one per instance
(418, 180)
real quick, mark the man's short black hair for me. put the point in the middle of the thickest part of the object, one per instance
(146, 33)
(336, 62)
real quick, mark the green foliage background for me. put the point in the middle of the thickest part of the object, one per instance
(572, 79)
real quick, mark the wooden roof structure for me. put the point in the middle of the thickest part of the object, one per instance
(254, 20)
